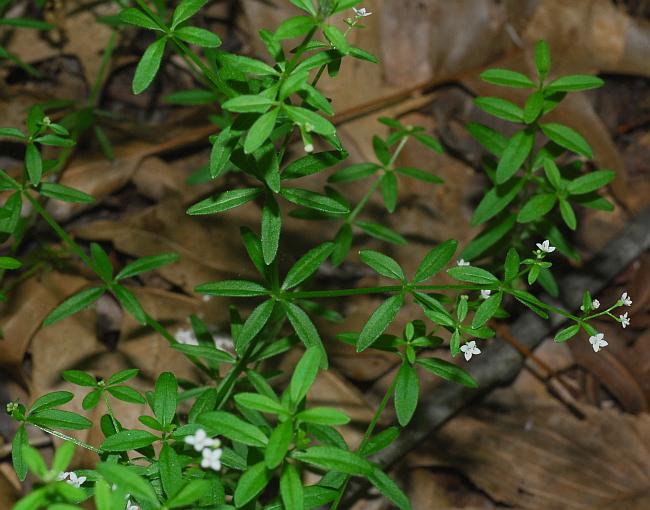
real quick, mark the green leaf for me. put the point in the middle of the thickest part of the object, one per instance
(291, 490)
(191, 97)
(511, 265)
(126, 394)
(314, 201)
(145, 264)
(379, 321)
(342, 244)
(123, 375)
(222, 148)
(126, 440)
(79, 378)
(380, 441)
(309, 120)
(128, 481)
(486, 310)
(552, 173)
(130, 303)
(232, 288)
(165, 397)
(224, 201)
(248, 103)
(254, 324)
(12, 132)
(64, 193)
(335, 459)
(472, 274)
(260, 131)
(170, 470)
(336, 37)
(567, 138)
(295, 27)
(514, 155)
(381, 232)
(312, 163)
(271, 226)
(418, 174)
(278, 446)
(251, 483)
(568, 215)
(33, 164)
(62, 457)
(91, 400)
(18, 443)
(492, 140)
(435, 260)
(74, 304)
(55, 141)
(389, 488)
(208, 352)
(185, 10)
(293, 83)
(51, 400)
(448, 371)
(307, 265)
(199, 36)
(304, 374)
(590, 182)
(9, 263)
(323, 416)
(507, 78)
(429, 141)
(383, 264)
(354, 172)
(407, 389)
(58, 419)
(247, 65)
(34, 461)
(566, 333)
(573, 83)
(234, 428)
(101, 262)
(260, 403)
(536, 207)
(305, 5)
(542, 59)
(190, 493)
(496, 200)
(488, 237)
(148, 66)
(388, 188)
(500, 108)
(533, 107)
(136, 17)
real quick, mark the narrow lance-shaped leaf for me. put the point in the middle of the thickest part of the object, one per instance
(148, 66)
(514, 155)
(435, 260)
(145, 264)
(448, 371)
(271, 226)
(307, 265)
(74, 304)
(383, 264)
(567, 138)
(407, 388)
(379, 321)
(224, 201)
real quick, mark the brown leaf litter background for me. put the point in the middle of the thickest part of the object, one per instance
(521, 447)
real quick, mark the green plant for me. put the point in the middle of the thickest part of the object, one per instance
(269, 436)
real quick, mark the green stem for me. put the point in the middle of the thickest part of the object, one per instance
(71, 439)
(312, 294)
(99, 79)
(367, 435)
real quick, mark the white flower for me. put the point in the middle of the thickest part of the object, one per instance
(63, 475)
(462, 262)
(186, 336)
(546, 246)
(485, 293)
(598, 341)
(201, 441)
(470, 349)
(130, 505)
(211, 459)
(75, 481)
(309, 147)
(361, 12)
(626, 299)
(625, 321)
(595, 304)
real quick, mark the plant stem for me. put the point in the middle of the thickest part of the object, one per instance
(367, 435)
(71, 439)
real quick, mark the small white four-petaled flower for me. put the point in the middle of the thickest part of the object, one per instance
(201, 441)
(625, 320)
(546, 246)
(462, 262)
(361, 12)
(625, 299)
(485, 293)
(211, 459)
(470, 349)
(74, 480)
(595, 304)
(130, 505)
(598, 341)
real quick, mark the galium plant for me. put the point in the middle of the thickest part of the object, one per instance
(239, 440)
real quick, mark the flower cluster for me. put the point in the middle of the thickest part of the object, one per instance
(71, 478)
(208, 447)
